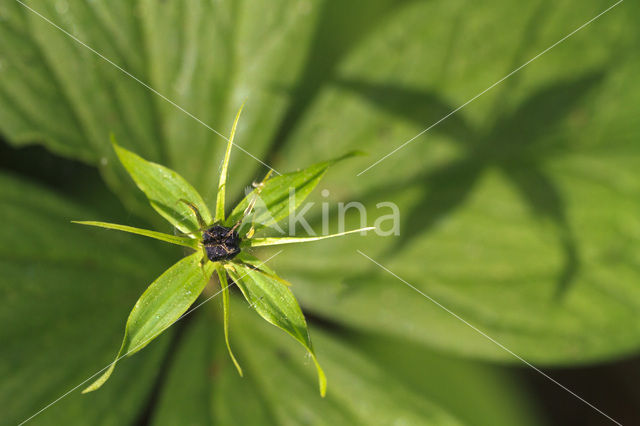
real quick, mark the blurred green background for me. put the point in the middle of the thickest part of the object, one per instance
(520, 212)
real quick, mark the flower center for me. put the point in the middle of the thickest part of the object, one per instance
(221, 243)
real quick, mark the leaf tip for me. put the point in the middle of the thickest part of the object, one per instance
(355, 153)
(100, 381)
(117, 148)
(322, 378)
(358, 153)
(235, 123)
(233, 358)
(114, 142)
(238, 368)
(88, 389)
(350, 154)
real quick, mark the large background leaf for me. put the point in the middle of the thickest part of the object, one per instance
(207, 58)
(75, 287)
(203, 387)
(520, 219)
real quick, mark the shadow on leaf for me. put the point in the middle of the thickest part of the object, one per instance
(513, 145)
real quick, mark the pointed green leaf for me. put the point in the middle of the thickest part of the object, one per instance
(222, 186)
(164, 301)
(173, 239)
(165, 189)
(273, 241)
(275, 302)
(275, 203)
(224, 285)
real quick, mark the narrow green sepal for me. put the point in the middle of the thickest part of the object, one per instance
(172, 239)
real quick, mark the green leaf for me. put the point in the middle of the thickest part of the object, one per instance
(58, 93)
(224, 285)
(65, 294)
(275, 302)
(163, 303)
(276, 199)
(519, 220)
(165, 189)
(222, 186)
(173, 239)
(279, 385)
(273, 241)
(354, 375)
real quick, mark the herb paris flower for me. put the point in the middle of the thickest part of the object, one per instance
(220, 245)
